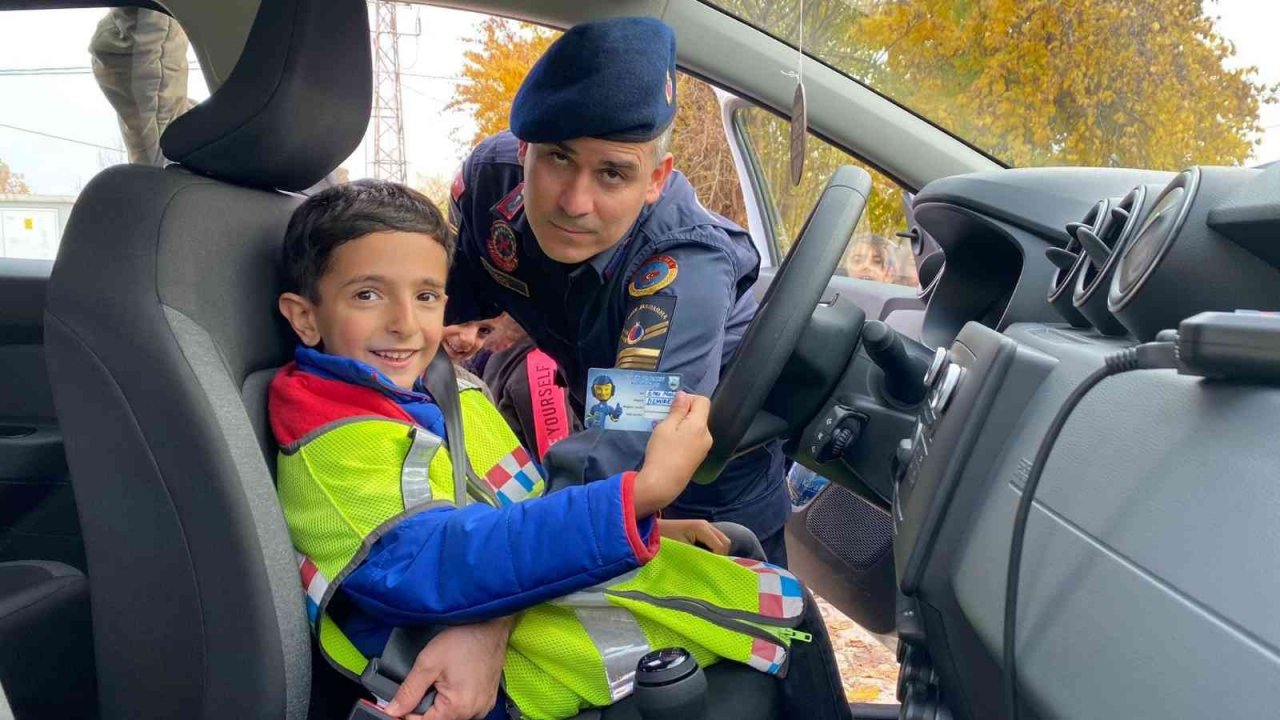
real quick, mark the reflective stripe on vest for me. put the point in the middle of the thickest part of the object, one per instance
(620, 642)
(613, 631)
(550, 416)
(415, 475)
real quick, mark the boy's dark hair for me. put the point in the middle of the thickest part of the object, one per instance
(340, 214)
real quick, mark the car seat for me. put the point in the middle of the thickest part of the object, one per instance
(162, 335)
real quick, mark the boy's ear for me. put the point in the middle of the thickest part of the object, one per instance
(301, 314)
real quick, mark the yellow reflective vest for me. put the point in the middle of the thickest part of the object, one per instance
(346, 483)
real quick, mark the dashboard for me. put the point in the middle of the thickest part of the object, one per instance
(1149, 572)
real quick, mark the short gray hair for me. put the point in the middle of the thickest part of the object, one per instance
(662, 143)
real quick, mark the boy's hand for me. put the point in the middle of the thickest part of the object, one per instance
(695, 532)
(678, 445)
(464, 663)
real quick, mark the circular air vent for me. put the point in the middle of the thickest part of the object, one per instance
(1177, 264)
(1141, 256)
(1068, 262)
(1102, 251)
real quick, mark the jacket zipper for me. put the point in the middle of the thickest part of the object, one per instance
(768, 630)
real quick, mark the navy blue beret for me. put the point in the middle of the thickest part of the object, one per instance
(612, 79)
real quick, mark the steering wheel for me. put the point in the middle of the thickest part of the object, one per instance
(738, 420)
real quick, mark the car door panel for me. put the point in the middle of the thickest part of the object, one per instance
(37, 507)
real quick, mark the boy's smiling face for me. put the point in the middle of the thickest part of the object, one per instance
(381, 301)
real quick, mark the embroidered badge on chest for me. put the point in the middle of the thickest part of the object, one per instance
(656, 273)
(502, 247)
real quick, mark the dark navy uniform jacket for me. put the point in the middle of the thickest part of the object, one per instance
(672, 296)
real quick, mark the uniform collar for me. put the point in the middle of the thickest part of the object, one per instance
(355, 372)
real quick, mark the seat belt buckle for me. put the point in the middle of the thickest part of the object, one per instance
(384, 688)
(365, 710)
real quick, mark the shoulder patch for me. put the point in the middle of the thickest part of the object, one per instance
(654, 274)
(508, 206)
(644, 333)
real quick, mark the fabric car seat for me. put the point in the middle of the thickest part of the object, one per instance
(161, 335)
(45, 639)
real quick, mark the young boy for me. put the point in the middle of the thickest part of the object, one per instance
(385, 536)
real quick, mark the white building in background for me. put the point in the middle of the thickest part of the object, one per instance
(31, 225)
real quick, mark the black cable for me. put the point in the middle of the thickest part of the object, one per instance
(1141, 357)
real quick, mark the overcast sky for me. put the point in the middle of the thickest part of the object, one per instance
(46, 87)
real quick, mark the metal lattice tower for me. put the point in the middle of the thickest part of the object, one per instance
(386, 162)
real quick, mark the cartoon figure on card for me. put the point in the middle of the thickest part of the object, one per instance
(602, 390)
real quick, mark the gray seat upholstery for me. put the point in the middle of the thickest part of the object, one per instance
(46, 639)
(160, 329)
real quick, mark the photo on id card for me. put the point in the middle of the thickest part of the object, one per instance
(628, 399)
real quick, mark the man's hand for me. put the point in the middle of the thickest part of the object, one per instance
(464, 663)
(695, 532)
(678, 445)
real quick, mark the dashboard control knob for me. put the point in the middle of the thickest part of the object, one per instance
(946, 388)
(847, 427)
(940, 358)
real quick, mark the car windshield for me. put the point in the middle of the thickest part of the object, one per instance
(1121, 83)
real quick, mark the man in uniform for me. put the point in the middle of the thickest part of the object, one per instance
(575, 224)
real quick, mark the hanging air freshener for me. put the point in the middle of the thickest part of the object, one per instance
(799, 112)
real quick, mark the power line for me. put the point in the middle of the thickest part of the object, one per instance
(62, 138)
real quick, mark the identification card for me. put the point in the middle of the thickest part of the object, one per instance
(628, 399)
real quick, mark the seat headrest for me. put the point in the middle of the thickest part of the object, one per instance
(296, 104)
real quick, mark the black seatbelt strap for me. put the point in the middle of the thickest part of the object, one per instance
(383, 675)
(443, 386)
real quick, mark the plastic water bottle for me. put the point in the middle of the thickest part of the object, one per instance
(803, 485)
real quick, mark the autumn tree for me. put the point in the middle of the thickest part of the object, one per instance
(436, 188)
(11, 183)
(1139, 83)
(494, 69)
(506, 50)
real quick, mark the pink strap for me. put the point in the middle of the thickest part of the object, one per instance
(550, 417)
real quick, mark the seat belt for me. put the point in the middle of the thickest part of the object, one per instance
(383, 675)
(442, 383)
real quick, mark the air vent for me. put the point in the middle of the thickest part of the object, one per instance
(1176, 265)
(1161, 225)
(1067, 263)
(1102, 250)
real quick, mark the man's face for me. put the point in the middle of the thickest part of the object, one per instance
(603, 392)
(381, 301)
(581, 196)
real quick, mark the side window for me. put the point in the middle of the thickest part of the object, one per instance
(82, 90)
(875, 252)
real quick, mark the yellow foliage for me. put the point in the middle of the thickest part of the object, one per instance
(1086, 82)
(11, 183)
(494, 69)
